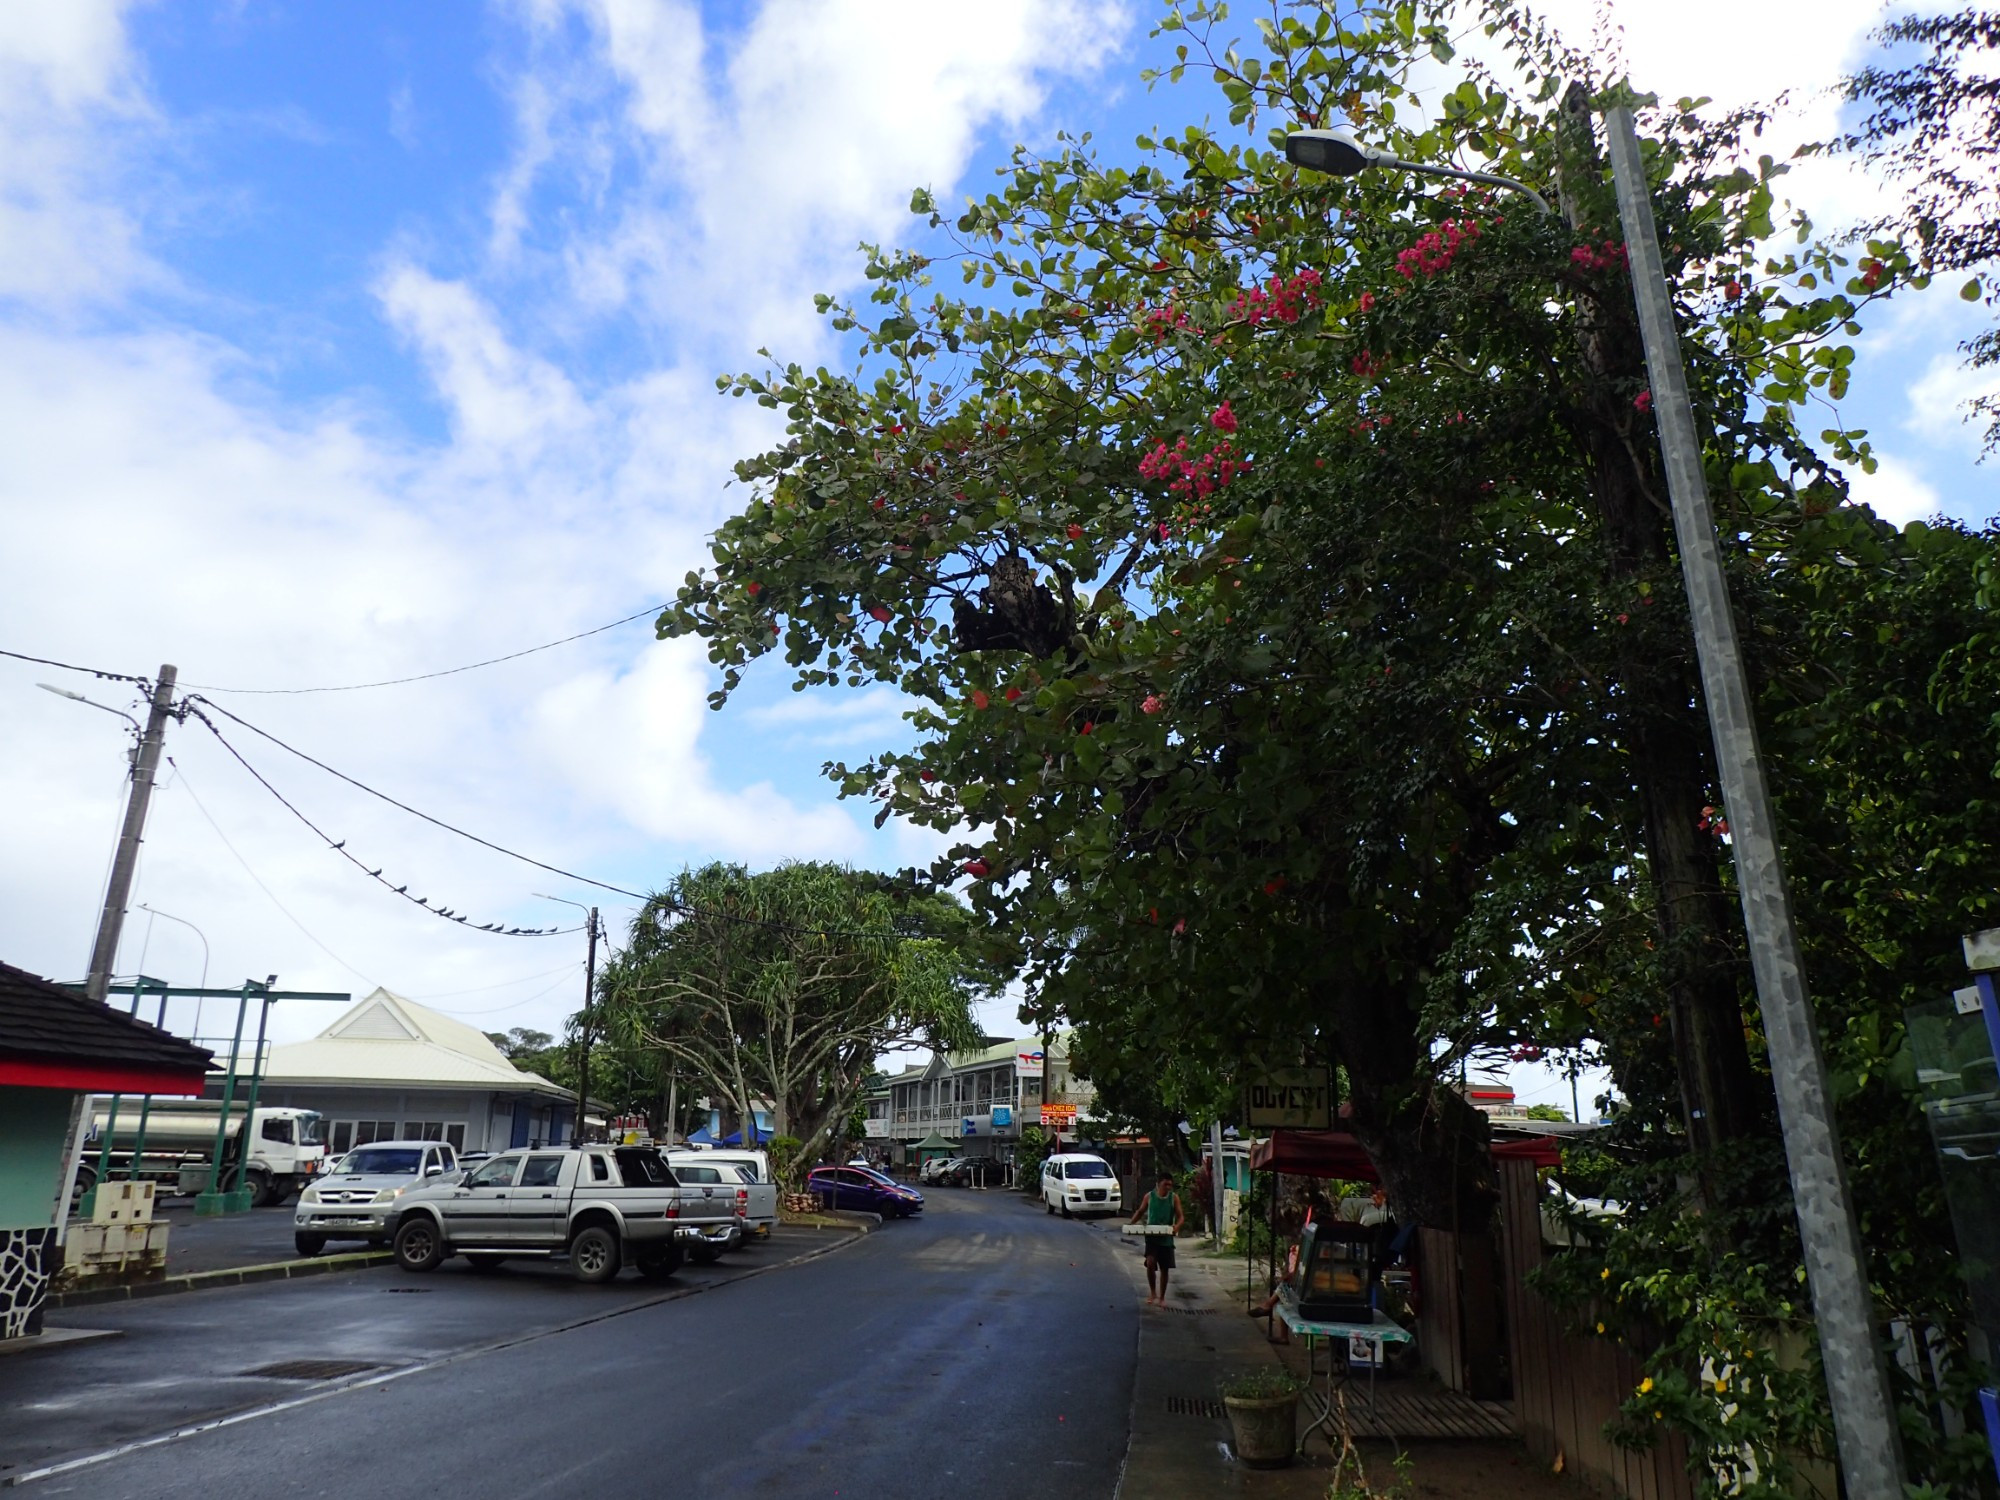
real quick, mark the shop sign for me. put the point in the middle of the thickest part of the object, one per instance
(1028, 1062)
(1290, 1099)
(1059, 1114)
(1003, 1116)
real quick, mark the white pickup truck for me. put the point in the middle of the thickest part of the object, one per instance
(747, 1171)
(603, 1207)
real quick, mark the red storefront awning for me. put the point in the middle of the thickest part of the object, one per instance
(1335, 1153)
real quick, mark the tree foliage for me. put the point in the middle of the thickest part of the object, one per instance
(785, 986)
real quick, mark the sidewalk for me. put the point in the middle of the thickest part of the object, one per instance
(226, 1250)
(1179, 1446)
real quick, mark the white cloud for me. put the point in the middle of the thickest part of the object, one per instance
(1895, 492)
(164, 502)
(1937, 409)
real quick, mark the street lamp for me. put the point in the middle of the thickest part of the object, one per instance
(1338, 154)
(1864, 1418)
(63, 692)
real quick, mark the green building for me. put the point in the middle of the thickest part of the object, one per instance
(57, 1049)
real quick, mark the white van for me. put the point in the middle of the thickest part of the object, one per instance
(1075, 1182)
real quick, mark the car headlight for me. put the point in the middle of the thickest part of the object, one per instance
(390, 1195)
(310, 1195)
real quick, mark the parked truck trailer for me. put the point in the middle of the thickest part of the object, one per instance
(287, 1146)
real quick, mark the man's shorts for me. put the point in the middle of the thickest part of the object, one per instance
(1160, 1250)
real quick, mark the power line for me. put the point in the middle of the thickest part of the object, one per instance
(491, 661)
(403, 806)
(340, 846)
(43, 661)
(181, 777)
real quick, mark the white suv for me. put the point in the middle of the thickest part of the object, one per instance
(1075, 1182)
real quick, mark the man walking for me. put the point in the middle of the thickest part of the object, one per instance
(1160, 1207)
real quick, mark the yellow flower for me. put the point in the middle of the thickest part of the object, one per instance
(1645, 1385)
(1600, 1328)
(1721, 1385)
(1605, 1274)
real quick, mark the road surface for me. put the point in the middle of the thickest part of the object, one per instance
(980, 1350)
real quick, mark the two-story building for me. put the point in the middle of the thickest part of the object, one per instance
(979, 1101)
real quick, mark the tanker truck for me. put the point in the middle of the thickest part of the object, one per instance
(287, 1146)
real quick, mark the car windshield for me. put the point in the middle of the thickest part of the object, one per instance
(1087, 1169)
(872, 1175)
(396, 1161)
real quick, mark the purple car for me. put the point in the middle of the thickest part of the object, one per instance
(865, 1189)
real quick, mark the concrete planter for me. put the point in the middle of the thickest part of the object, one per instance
(1263, 1429)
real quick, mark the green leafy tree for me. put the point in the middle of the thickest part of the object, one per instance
(1280, 572)
(786, 985)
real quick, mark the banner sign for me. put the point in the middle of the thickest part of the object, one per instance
(1028, 1063)
(1290, 1099)
(1059, 1114)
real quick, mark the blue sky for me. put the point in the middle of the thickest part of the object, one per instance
(344, 344)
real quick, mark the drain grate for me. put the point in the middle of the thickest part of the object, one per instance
(1194, 1406)
(410, 1291)
(1194, 1312)
(312, 1369)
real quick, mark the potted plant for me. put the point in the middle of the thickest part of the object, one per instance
(1263, 1407)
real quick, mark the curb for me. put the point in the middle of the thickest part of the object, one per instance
(847, 1236)
(201, 1281)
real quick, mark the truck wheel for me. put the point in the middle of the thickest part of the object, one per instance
(594, 1254)
(309, 1244)
(661, 1264)
(259, 1183)
(419, 1244)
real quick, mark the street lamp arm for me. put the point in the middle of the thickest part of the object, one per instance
(1489, 179)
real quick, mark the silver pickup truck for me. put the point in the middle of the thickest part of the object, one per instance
(602, 1206)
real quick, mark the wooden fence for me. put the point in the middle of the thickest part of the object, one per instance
(1568, 1386)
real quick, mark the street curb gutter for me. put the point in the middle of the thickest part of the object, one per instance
(200, 1281)
(848, 1235)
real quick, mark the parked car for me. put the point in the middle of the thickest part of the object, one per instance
(718, 1182)
(976, 1171)
(603, 1207)
(354, 1199)
(865, 1189)
(935, 1167)
(757, 1196)
(1075, 1182)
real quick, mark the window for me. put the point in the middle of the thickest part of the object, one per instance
(642, 1167)
(498, 1172)
(380, 1161)
(600, 1169)
(374, 1130)
(705, 1176)
(1056, 1169)
(454, 1135)
(423, 1130)
(342, 1137)
(1088, 1169)
(542, 1171)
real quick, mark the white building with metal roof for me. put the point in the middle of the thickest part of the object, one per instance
(388, 1068)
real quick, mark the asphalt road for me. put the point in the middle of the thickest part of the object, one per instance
(981, 1350)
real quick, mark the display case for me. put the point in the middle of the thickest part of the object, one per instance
(1335, 1281)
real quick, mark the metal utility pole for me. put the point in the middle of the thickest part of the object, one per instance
(104, 953)
(583, 1052)
(1864, 1419)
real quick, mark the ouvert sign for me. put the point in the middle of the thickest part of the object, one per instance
(1290, 1099)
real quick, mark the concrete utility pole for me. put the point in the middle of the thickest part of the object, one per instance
(1864, 1419)
(97, 981)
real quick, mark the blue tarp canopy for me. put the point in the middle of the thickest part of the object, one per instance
(735, 1137)
(701, 1138)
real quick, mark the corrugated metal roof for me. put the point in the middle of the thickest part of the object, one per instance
(384, 1038)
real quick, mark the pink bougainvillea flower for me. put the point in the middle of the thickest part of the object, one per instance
(1368, 302)
(1274, 885)
(1013, 693)
(1153, 704)
(1074, 531)
(1222, 419)
(979, 698)
(1643, 401)
(1732, 290)
(1180, 926)
(928, 775)
(1088, 725)
(978, 869)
